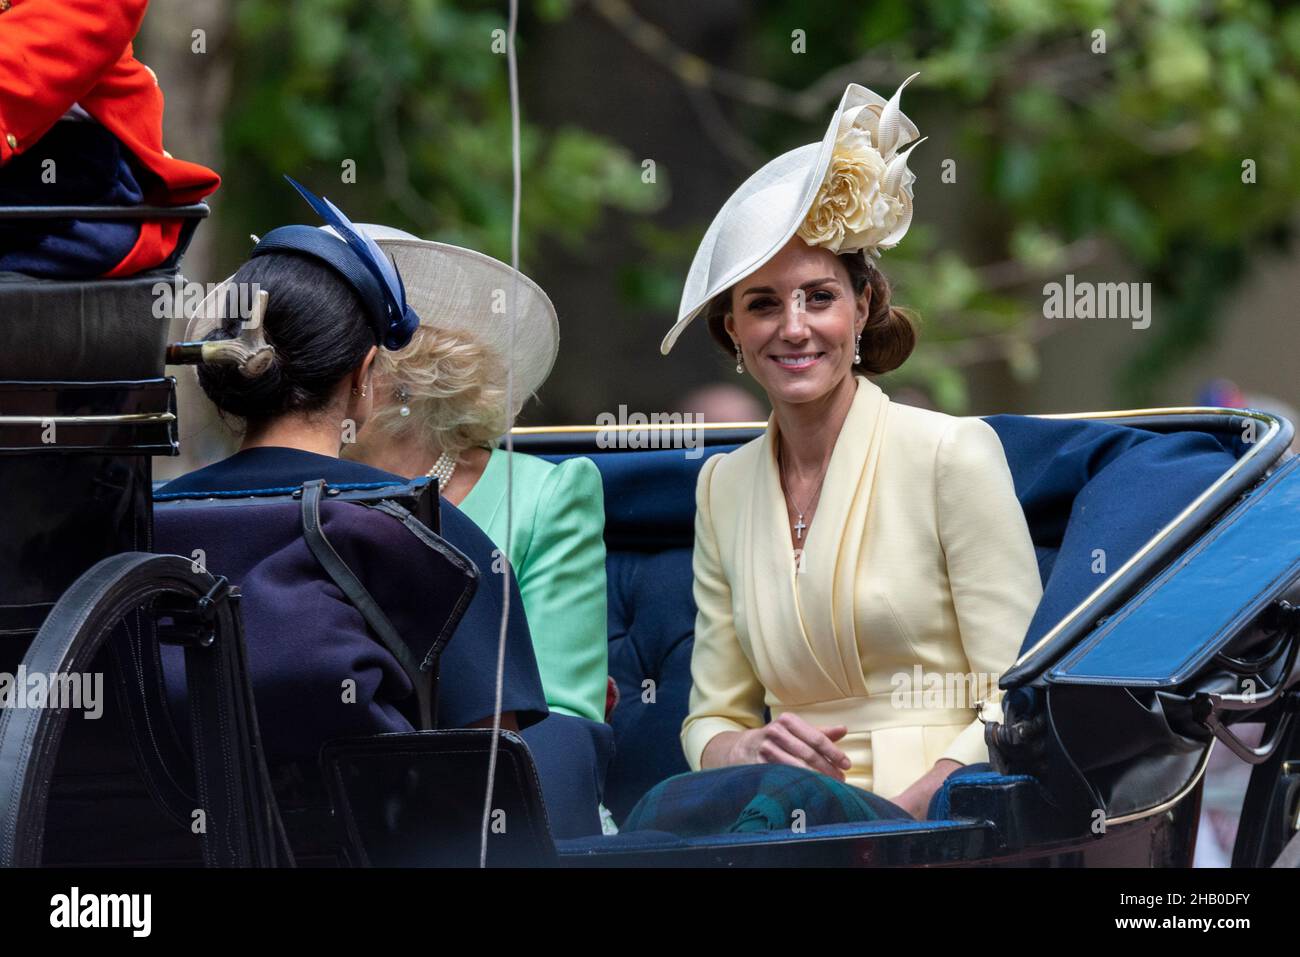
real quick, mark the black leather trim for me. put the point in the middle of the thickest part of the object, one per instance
(230, 774)
(453, 555)
(516, 783)
(362, 600)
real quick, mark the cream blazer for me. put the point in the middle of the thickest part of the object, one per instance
(915, 591)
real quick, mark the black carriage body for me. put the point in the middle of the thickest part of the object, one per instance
(84, 405)
(79, 421)
(75, 474)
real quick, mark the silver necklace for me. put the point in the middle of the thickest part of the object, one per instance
(800, 526)
(443, 469)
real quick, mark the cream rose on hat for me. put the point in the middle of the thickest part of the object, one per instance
(864, 203)
(851, 192)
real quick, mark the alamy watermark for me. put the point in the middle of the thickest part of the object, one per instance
(1098, 300)
(80, 691)
(76, 909)
(940, 690)
(179, 299)
(658, 430)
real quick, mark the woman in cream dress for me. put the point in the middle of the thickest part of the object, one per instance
(858, 538)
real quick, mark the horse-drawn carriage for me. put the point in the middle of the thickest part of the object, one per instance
(1168, 544)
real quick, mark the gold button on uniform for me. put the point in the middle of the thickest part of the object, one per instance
(12, 141)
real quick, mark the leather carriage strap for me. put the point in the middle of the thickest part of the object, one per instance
(363, 601)
(233, 789)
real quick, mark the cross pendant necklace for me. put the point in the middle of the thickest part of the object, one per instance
(800, 526)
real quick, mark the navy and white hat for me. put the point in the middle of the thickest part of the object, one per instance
(350, 253)
(469, 293)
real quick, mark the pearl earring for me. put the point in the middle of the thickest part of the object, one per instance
(740, 361)
(857, 350)
(403, 396)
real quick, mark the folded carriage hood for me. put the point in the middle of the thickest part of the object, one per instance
(1212, 638)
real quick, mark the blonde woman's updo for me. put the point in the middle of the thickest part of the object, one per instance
(453, 386)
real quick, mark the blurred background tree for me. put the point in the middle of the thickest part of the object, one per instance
(1099, 137)
(399, 109)
(1094, 132)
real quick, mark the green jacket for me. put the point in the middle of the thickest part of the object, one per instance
(557, 549)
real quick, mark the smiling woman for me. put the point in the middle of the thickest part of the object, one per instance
(909, 546)
(799, 322)
(821, 289)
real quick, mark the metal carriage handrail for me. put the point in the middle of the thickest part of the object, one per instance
(23, 213)
(1177, 533)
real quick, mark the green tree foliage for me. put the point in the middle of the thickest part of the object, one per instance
(1134, 156)
(1069, 158)
(414, 95)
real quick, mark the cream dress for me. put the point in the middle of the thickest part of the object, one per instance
(918, 555)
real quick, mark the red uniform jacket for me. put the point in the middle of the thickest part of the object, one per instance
(54, 53)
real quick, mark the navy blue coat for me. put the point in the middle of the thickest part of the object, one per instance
(301, 647)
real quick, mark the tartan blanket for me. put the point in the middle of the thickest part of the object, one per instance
(754, 797)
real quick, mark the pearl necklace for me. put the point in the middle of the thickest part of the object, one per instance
(443, 469)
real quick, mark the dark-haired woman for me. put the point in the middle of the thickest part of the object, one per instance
(857, 544)
(328, 312)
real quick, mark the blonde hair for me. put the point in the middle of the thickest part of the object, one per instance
(453, 386)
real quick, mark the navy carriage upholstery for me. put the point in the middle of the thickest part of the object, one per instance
(1084, 485)
(305, 636)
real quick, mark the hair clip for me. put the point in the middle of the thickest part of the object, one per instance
(249, 351)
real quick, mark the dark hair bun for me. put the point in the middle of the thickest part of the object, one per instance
(889, 336)
(317, 326)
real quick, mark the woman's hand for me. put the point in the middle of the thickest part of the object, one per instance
(916, 799)
(787, 740)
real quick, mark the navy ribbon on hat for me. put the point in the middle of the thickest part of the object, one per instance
(359, 262)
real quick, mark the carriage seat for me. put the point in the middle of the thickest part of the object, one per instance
(105, 330)
(1083, 484)
(304, 634)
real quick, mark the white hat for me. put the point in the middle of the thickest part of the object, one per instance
(458, 289)
(449, 287)
(850, 192)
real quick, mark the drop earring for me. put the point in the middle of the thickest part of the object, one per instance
(857, 350)
(404, 397)
(740, 361)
